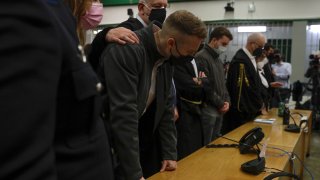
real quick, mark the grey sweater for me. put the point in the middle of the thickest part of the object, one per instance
(208, 61)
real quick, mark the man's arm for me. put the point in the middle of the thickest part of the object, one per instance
(243, 90)
(168, 137)
(210, 92)
(122, 77)
(108, 35)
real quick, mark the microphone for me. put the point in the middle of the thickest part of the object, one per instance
(255, 166)
(293, 127)
(246, 143)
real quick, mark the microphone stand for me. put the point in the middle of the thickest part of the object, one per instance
(293, 127)
(255, 166)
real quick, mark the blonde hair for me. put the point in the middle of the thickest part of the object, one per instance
(79, 8)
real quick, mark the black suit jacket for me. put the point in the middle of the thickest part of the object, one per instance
(29, 74)
(184, 83)
(99, 42)
(269, 77)
(244, 86)
(81, 144)
(49, 126)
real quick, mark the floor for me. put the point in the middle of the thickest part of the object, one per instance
(313, 161)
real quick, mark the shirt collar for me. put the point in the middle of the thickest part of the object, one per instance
(141, 20)
(211, 51)
(252, 58)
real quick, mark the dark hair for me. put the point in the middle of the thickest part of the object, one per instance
(276, 51)
(219, 32)
(268, 46)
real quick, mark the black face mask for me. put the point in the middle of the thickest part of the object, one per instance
(181, 60)
(257, 52)
(158, 15)
(277, 58)
(271, 57)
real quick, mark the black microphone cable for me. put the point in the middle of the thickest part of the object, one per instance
(291, 156)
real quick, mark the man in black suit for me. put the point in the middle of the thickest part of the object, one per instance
(244, 84)
(189, 85)
(49, 101)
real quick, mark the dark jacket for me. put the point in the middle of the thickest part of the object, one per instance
(270, 78)
(49, 126)
(184, 83)
(244, 85)
(208, 61)
(127, 73)
(99, 42)
(29, 75)
(81, 145)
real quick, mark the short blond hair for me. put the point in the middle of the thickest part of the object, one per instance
(184, 22)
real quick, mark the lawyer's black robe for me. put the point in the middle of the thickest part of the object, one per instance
(245, 92)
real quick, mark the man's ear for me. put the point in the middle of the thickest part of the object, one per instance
(140, 7)
(171, 42)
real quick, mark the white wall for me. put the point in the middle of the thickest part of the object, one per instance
(214, 10)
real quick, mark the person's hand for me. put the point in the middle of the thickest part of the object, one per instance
(198, 80)
(264, 111)
(224, 108)
(202, 74)
(276, 84)
(175, 113)
(168, 165)
(122, 35)
(142, 178)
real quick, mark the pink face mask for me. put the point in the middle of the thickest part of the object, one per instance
(93, 16)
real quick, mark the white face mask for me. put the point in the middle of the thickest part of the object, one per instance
(222, 49)
(260, 65)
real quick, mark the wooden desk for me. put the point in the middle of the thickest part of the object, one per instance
(224, 163)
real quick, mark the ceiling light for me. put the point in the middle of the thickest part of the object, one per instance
(314, 28)
(252, 28)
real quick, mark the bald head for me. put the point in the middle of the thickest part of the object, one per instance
(255, 41)
(258, 38)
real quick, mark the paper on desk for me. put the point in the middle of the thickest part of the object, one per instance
(267, 121)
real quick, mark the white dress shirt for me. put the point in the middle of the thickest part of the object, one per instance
(283, 72)
(252, 58)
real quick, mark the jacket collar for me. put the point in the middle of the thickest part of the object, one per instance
(211, 51)
(146, 35)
